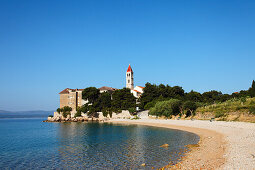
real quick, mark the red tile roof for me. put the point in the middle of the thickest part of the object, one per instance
(129, 69)
(141, 87)
(137, 91)
(66, 91)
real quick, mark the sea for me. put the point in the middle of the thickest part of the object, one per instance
(32, 144)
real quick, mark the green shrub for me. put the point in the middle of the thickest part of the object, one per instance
(166, 108)
(252, 109)
(77, 114)
(66, 113)
(219, 114)
(67, 109)
(107, 111)
(243, 99)
(50, 116)
(132, 110)
(150, 105)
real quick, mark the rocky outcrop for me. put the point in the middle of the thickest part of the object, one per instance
(123, 115)
(75, 119)
(84, 117)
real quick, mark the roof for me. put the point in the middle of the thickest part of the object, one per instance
(66, 91)
(141, 87)
(137, 91)
(107, 88)
(129, 69)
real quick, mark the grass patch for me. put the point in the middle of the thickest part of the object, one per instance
(243, 105)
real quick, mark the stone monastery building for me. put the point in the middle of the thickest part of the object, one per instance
(73, 97)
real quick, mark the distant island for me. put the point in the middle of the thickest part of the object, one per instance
(24, 114)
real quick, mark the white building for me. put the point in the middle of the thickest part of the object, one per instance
(137, 91)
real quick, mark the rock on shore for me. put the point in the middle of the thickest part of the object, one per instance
(75, 119)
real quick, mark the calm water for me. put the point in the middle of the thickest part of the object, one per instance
(32, 144)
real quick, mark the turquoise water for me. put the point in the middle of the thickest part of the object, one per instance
(33, 144)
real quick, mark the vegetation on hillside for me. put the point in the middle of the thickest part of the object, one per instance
(164, 100)
(167, 101)
(242, 104)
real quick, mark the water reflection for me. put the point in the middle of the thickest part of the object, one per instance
(107, 146)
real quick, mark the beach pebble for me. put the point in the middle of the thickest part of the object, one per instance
(165, 145)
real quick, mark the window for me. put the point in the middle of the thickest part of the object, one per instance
(128, 81)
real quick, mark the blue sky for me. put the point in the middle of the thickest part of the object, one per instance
(48, 45)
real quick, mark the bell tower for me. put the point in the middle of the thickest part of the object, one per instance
(130, 78)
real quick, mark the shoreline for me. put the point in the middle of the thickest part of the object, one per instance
(223, 144)
(208, 154)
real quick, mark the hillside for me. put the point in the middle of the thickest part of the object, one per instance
(242, 109)
(25, 114)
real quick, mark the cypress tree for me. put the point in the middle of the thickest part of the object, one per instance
(252, 89)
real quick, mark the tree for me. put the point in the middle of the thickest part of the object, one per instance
(59, 110)
(150, 93)
(194, 96)
(107, 111)
(123, 99)
(176, 92)
(252, 89)
(66, 111)
(91, 94)
(224, 97)
(190, 107)
(166, 108)
(211, 96)
(105, 100)
(162, 90)
(78, 112)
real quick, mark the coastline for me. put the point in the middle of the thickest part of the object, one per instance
(220, 145)
(207, 155)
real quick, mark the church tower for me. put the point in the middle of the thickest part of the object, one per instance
(130, 78)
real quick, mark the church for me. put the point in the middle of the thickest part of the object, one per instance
(73, 97)
(138, 90)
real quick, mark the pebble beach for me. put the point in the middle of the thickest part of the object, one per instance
(223, 145)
